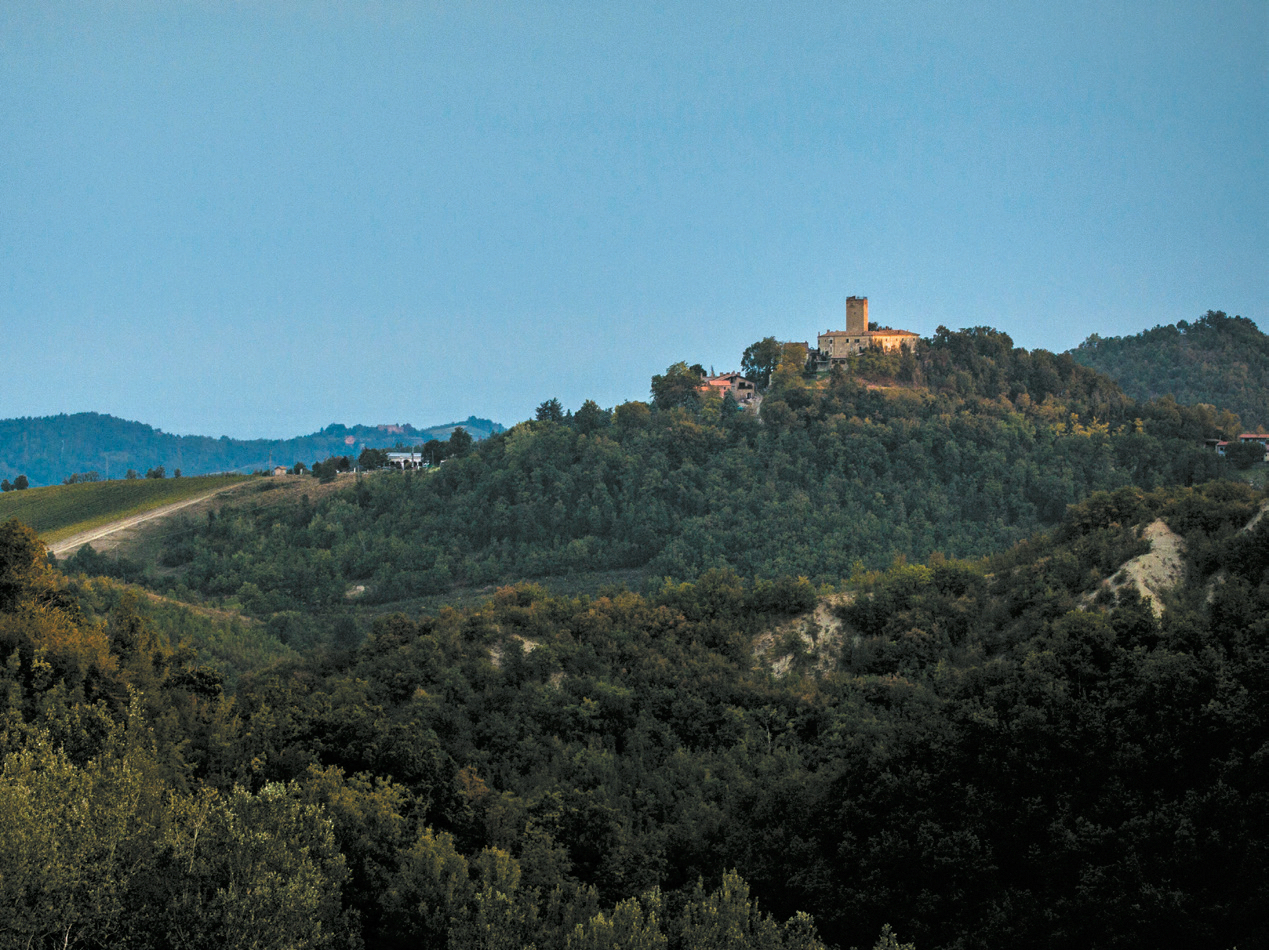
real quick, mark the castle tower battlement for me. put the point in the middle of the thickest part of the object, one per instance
(856, 314)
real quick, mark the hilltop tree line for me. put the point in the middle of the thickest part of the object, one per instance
(989, 754)
(431, 452)
(1218, 359)
(979, 445)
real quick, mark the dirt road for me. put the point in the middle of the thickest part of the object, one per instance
(68, 546)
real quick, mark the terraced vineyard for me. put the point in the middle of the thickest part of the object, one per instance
(58, 511)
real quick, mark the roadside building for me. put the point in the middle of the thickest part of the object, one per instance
(407, 460)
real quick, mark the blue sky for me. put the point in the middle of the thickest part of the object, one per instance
(256, 219)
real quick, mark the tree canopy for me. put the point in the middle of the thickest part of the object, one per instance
(991, 448)
(678, 388)
(953, 748)
(1217, 360)
(875, 668)
(760, 360)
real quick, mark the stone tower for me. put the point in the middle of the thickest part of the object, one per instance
(856, 314)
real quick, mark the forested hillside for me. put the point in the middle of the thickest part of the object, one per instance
(49, 449)
(994, 756)
(970, 446)
(882, 668)
(1218, 360)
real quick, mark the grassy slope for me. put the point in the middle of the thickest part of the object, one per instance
(58, 511)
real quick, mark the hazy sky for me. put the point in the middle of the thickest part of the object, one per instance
(258, 218)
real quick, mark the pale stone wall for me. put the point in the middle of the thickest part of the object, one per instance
(838, 344)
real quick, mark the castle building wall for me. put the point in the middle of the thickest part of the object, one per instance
(837, 345)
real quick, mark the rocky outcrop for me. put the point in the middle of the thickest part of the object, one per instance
(1158, 570)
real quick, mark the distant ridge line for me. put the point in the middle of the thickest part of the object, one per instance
(48, 449)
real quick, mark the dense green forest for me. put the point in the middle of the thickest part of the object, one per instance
(1217, 359)
(963, 448)
(874, 687)
(987, 754)
(52, 448)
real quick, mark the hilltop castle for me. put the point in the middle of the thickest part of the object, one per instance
(836, 345)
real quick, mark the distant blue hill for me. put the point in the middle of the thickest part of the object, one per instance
(49, 448)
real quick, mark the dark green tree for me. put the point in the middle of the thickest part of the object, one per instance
(680, 386)
(434, 450)
(327, 470)
(1243, 455)
(460, 443)
(371, 459)
(23, 570)
(550, 411)
(590, 418)
(760, 360)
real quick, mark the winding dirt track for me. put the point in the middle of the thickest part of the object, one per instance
(76, 541)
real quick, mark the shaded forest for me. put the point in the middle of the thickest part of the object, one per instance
(995, 755)
(1218, 360)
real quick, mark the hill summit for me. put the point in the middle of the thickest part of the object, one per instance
(1218, 360)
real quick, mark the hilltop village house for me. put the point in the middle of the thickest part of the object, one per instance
(1261, 437)
(742, 390)
(835, 346)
